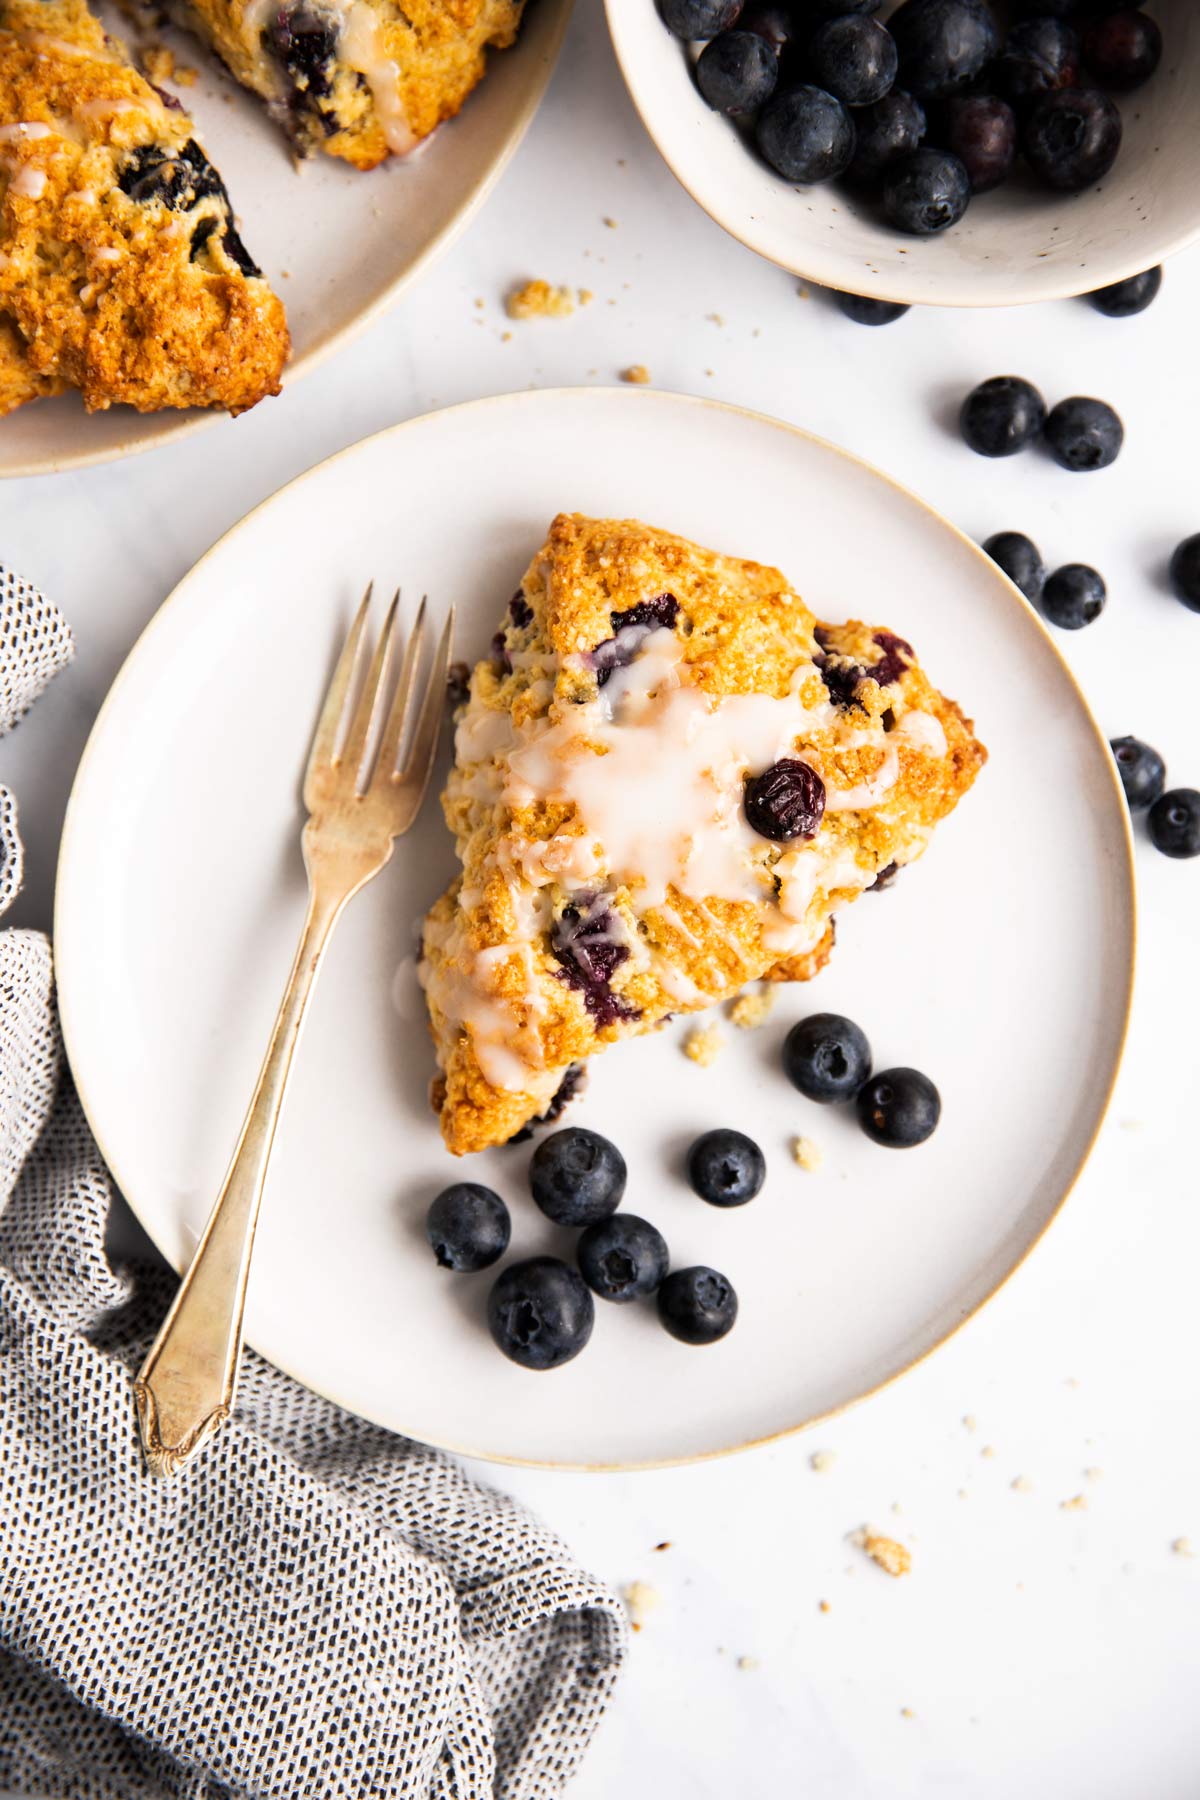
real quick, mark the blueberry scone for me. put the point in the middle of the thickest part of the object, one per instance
(122, 272)
(668, 776)
(359, 79)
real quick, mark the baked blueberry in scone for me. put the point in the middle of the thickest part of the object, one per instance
(122, 272)
(667, 778)
(359, 79)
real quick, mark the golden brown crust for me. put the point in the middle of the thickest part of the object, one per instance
(568, 931)
(142, 301)
(371, 77)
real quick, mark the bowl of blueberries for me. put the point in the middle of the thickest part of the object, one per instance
(945, 152)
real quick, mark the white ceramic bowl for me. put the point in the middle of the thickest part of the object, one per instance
(338, 245)
(1017, 244)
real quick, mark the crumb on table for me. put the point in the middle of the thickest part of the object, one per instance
(807, 1153)
(823, 1606)
(906, 1712)
(611, 223)
(822, 1461)
(969, 1421)
(1021, 1484)
(747, 1662)
(893, 1558)
(665, 1545)
(988, 1451)
(640, 1600)
(703, 1045)
(638, 373)
(1182, 1546)
(752, 1010)
(1093, 1474)
(1077, 1503)
(539, 300)
(585, 296)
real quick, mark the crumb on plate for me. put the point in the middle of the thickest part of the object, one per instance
(638, 373)
(752, 1010)
(807, 1153)
(1021, 1484)
(747, 1662)
(585, 296)
(703, 1045)
(1077, 1503)
(1182, 1546)
(969, 1421)
(893, 1558)
(822, 1461)
(823, 1606)
(539, 300)
(640, 1600)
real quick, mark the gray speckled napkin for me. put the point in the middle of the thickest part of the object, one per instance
(316, 1608)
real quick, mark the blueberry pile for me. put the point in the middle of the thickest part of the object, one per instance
(829, 1059)
(934, 107)
(1172, 814)
(1006, 413)
(540, 1311)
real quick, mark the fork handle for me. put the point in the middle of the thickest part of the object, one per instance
(184, 1390)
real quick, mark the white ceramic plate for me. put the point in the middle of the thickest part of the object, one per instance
(1001, 964)
(350, 241)
(1017, 244)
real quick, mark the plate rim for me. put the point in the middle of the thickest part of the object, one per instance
(194, 419)
(743, 231)
(631, 397)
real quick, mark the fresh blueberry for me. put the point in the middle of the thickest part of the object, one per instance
(943, 44)
(540, 1313)
(773, 20)
(786, 801)
(1039, 56)
(468, 1227)
(890, 128)
(805, 134)
(865, 311)
(853, 58)
(1020, 559)
(736, 72)
(1084, 434)
(1122, 299)
(827, 1057)
(691, 19)
(726, 1168)
(898, 1108)
(1175, 822)
(576, 1176)
(925, 191)
(1185, 572)
(622, 1258)
(981, 130)
(697, 1305)
(1142, 770)
(1123, 50)
(1071, 138)
(1002, 415)
(1073, 596)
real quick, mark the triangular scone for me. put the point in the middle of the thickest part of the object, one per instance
(667, 777)
(121, 270)
(358, 79)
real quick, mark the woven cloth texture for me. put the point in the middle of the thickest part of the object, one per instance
(315, 1609)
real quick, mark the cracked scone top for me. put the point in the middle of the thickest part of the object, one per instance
(358, 79)
(121, 270)
(667, 778)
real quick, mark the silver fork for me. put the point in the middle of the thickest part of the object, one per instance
(360, 799)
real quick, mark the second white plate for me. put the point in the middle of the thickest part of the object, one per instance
(1001, 964)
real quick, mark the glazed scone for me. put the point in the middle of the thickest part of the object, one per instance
(667, 778)
(359, 79)
(121, 270)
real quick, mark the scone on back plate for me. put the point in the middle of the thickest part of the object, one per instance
(359, 79)
(122, 272)
(667, 778)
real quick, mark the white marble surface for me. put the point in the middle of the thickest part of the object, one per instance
(1038, 1650)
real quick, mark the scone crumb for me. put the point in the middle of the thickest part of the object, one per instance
(539, 300)
(893, 1558)
(585, 296)
(988, 1451)
(821, 1461)
(715, 318)
(1021, 1484)
(185, 75)
(157, 62)
(749, 1011)
(906, 1712)
(823, 1606)
(747, 1662)
(703, 1045)
(611, 223)
(1093, 1474)
(969, 1421)
(1077, 1503)
(640, 1600)
(479, 303)
(638, 373)
(506, 337)
(665, 1545)
(808, 1154)
(1182, 1546)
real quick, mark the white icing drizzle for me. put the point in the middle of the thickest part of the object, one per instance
(111, 108)
(29, 183)
(923, 732)
(868, 793)
(361, 43)
(23, 130)
(105, 253)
